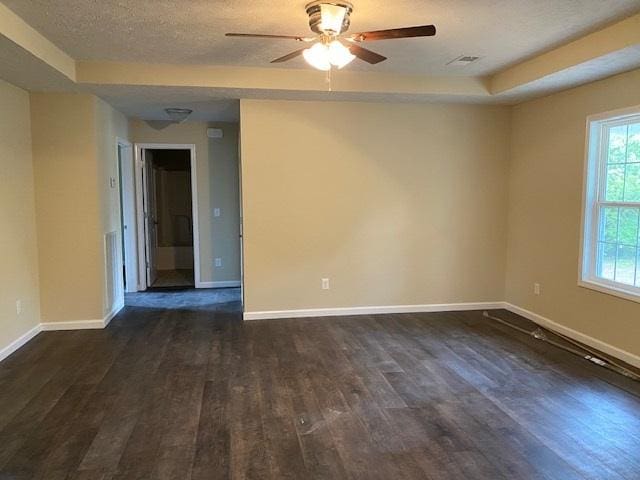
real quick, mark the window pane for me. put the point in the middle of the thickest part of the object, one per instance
(606, 261)
(628, 227)
(609, 225)
(626, 265)
(632, 183)
(616, 246)
(615, 183)
(617, 144)
(633, 143)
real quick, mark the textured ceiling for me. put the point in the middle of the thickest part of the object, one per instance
(148, 103)
(502, 32)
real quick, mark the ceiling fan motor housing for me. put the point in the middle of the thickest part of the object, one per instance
(314, 10)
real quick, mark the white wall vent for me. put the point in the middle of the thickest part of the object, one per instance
(214, 133)
(113, 271)
(463, 60)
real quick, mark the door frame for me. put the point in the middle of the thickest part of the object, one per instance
(126, 177)
(140, 185)
(149, 191)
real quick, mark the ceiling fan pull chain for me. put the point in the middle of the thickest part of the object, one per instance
(328, 79)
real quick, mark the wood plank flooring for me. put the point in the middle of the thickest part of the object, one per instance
(189, 391)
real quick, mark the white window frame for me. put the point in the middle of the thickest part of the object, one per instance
(594, 183)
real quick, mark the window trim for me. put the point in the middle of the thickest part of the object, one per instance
(593, 175)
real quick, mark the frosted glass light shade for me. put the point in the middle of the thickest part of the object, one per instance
(322, 57)
(332, 17)
(339, 55)
(318, 57)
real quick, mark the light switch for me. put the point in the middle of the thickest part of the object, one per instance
(216, 212)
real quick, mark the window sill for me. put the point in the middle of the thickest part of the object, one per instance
(609, 289)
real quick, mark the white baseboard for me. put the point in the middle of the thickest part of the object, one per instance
(347, 311)
(119, 306)
(55, 326)
(19, 342)
(83, 324)
(615, 352)
(72, 325)
(225, 284)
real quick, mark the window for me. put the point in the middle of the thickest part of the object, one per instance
(611, 237)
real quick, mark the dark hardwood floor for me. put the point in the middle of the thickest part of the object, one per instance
(192, 392)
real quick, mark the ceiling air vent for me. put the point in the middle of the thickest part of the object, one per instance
(463, 60)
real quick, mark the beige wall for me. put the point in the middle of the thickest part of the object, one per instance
(110, 126)
(19, 272)
(68, 206)
(217, 187)
(74, 151)
(396, 204)
(224, 188)
(545, 201)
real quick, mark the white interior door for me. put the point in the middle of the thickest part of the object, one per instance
(128, 216)
(150, 217)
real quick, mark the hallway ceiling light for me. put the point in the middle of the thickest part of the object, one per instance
(178, 115)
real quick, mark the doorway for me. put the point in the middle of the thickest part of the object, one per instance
(126, 180)
(168, 216)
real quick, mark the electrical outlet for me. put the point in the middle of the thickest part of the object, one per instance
(536, 289)
(218, 262)
(18, 307)
(325, 284)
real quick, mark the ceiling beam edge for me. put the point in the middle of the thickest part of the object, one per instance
(275, 79)
(610, 39)
(22, 34)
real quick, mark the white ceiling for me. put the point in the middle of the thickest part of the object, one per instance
(502, 32)
(148, 103)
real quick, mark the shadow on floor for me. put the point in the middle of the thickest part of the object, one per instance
(174, 278)
(214, 299)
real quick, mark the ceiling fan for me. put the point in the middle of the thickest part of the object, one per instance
(331, 46)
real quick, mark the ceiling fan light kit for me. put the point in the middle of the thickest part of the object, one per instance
(330, 21)
(329, 18)
(318, 57)
(323, 56)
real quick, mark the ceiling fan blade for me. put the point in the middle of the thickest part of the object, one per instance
(407, 32)
(366, 55)
(260, 35)
(289, 56)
